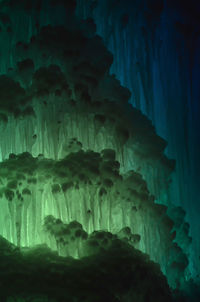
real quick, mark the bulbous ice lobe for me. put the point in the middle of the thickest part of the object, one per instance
(107, 275)
(61, 202)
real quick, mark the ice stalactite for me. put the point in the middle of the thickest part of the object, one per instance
(86, 191)
(155, 46)
(75, 154)
(76, 80)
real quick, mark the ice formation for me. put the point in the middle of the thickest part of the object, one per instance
(80, 166)
(108, 275)
(156, 48)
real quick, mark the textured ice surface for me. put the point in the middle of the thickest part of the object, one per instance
(58, 102)
(156, 46)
